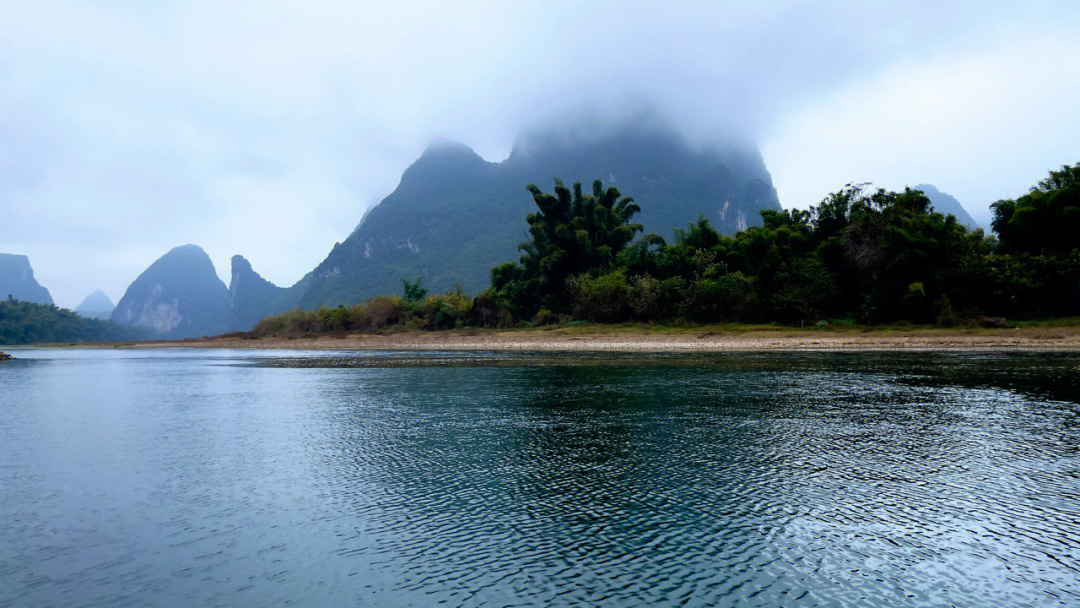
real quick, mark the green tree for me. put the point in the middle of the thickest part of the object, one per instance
(413, 291)
(1046, 220)
(570, 234)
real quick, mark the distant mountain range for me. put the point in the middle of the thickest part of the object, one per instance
(454, 216)
(28, 315)
(17, 280)
(95, 306)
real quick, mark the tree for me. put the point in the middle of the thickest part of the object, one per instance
(571, 233)
(1046, 220)
(413, 291)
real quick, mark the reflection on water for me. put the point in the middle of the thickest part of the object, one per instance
(228, 478)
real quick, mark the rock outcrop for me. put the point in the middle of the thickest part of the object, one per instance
(17, 280)
(252, 298)
(178, 296)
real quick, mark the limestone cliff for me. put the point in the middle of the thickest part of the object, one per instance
(17, 280)
(178, 296)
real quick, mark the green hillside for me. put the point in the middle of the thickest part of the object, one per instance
(454, 215)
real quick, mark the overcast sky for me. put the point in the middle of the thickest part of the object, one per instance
(127, 128)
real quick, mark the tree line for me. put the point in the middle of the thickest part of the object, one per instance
(32, 323)
(862, 255)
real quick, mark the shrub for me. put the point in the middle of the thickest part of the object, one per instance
(915, 305)
(717, 299)
(670, 296)
(945, 316)
(545, 317)
(379, 312)
(446, 310)
(335, 319)
(413, 291)
(644, 296)
(488, 311)
(603, 298)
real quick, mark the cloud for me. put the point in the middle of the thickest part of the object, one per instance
(267, 129)
(982, 124)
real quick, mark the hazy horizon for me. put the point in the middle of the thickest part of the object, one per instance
(268, 130)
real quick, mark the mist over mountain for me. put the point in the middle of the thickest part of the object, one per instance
(454, 215)
(178, 296)
(309, 114)
(17, 280)
(948, 205)
(97, 305)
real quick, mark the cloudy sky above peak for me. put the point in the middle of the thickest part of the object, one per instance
(267, 129)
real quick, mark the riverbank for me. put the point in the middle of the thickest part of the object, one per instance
(643, 338)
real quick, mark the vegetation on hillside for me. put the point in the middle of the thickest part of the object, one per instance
(867, 255)
(454, 215)
(31, 323)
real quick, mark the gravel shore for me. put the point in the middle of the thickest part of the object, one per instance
(620, 339)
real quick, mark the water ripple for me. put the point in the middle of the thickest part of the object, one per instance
(415, 480)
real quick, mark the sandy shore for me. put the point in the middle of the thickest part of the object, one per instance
(647, 340)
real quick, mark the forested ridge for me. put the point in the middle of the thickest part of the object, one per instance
(32, 323)
(861, 255)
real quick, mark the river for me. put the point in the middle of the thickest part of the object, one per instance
(243, 478)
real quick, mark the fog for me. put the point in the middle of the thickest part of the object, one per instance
(268, 129)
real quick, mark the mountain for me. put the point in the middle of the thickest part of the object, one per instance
(95, 306)
(948, 205)
(253, 298)
(454, 216)
(17, 280)
(178, 296)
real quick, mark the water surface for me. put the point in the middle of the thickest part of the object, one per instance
(231, 478)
